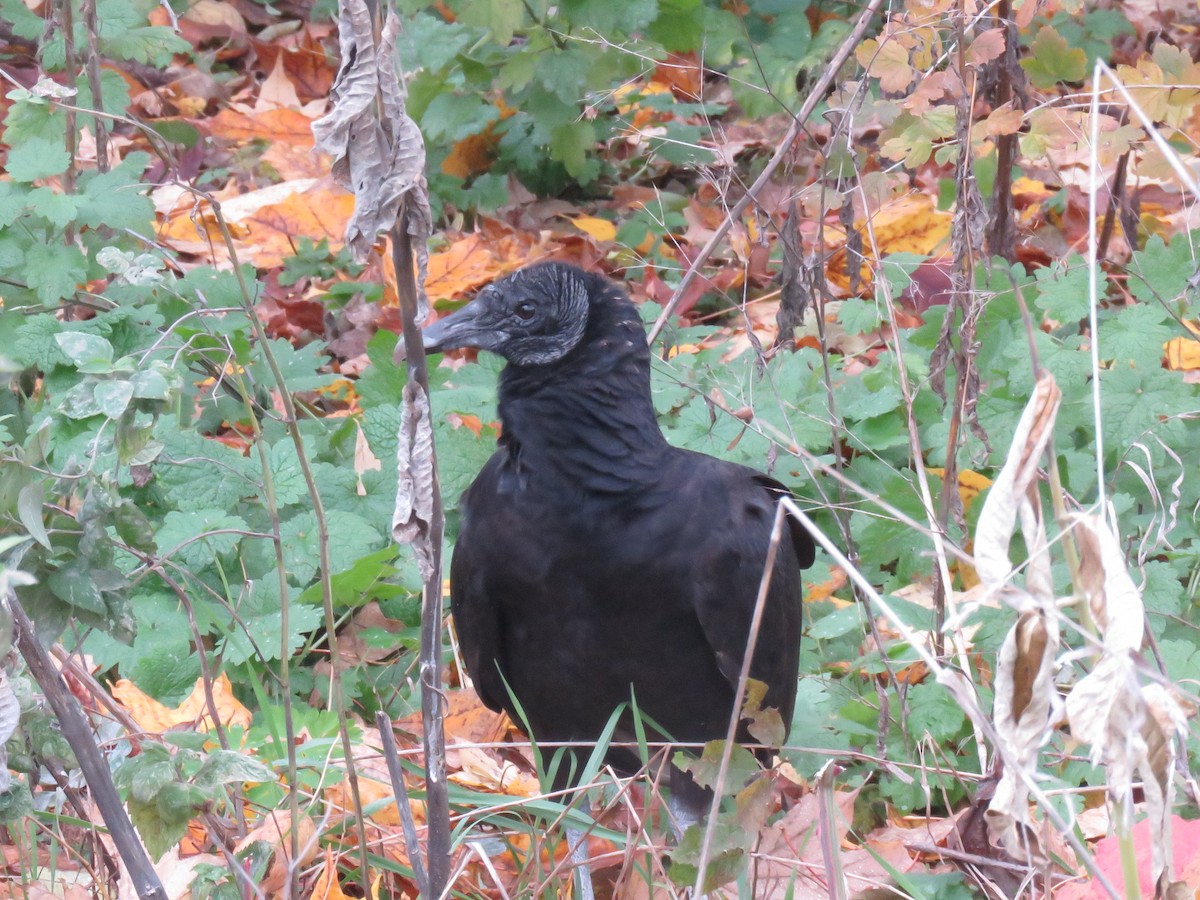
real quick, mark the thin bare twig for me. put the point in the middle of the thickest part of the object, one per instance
(822, 84)
(396, 773)
(437, 798)
(735, 717)
(96, 773)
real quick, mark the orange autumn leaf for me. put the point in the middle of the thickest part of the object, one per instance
(1030, 190)
(155, 718)
(911, 224)
(275, 230)
(826, 589)
(483, 771)
(1183, 353)
(266, 225)
(327, 885)
(473, 261)
(1003, 120)
(473, 154)
(272, 125)
(375, 796)
(683, 73)
(970, 486)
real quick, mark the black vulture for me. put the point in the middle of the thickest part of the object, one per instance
(595, 561)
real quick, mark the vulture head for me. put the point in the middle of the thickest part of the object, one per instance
(532, 318)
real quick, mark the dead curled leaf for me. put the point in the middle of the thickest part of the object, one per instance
(1009, 494)
(384, 165)
(414, 468)
(1025, 708)
(1131, 727)
(1026, 704)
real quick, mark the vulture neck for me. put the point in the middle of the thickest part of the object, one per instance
(586, 421)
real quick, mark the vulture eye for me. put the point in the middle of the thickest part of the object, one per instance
(525, 310)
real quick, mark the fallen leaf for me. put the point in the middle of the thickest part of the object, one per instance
(155, 718)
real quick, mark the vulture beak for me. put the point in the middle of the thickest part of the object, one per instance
(461, 328)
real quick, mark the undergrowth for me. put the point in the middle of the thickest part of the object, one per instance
(157, 498)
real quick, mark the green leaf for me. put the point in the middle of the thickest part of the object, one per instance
(286, 475)
(75, 586)
(679, 26)
(257, 634)
(1136, 334)
(116, 199)
(358, 584)
(85, 349)
(452, 117)
(35, 158)
(200, 474)
(112, 397)
(158, 835)
(911, 139)
(114, 94)
(1163, 589)
(189, 535)
(29, 509)
(16, 803)
(1051, 60)
(54, 271)
(151, 776)
(25, 24)
(606, 17)
(570, 144)
(179, 802)
(79, 402)
(230, 767)
(1063, 291)
(153, 383)
(933, 710)
(847, 620)
(300, 367)
(859, 316)
(500, 17)
(124, 34)
(1137, 403)
(1163, 270)
(13, 200)
(57, 209)
(33, 116)
(350, 537)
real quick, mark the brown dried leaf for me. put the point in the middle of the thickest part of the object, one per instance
(1026, 707)
(381, 157)
(1010, 495)
(414, 468)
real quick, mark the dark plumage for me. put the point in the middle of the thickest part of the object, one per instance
(593, 556)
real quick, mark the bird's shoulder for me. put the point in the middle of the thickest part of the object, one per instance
(737, 497)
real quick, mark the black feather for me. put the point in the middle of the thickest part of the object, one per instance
(594, 558)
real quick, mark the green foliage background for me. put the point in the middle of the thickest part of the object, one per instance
(156, 548)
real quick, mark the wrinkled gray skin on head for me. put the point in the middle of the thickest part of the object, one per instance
(533, 317)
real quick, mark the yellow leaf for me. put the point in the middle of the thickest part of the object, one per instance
(600, 229)
(155, 718)
(970, 484)
(1183, 354)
